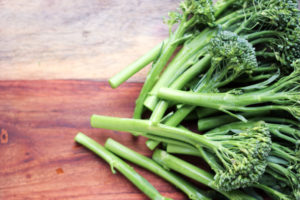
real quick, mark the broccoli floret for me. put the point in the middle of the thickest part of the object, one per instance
(231, 56)
(282, 161)
(201, 10)
(232, 51)
(243, 155)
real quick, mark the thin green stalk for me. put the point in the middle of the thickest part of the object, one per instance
(286, 129)
(283, 171)
(190, 190)
(278, 134)
(145, 127)
(265, 54)
(219, 101)
(186, 57)
(194, 173)
(162, 105)
(189, 150)
(221, 7)
(265, 69)
(270, 191)
(115, 162)
(261, 34)
(213, 122)
(158, 66)
(277, 151)
(262, 40)
(136, 66)
(281, 121)
(187, 76)
(255, 78)
(205, 112)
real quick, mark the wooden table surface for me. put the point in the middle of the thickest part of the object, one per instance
(55, 59)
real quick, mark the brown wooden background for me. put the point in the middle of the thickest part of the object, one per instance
(55, 58)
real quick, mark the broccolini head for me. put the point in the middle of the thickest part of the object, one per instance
(292, 48)
(243, 155)
(281, 14)
(202, 10)
(193, 12)
(233, 52)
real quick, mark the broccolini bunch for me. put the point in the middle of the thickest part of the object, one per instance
(237, 75)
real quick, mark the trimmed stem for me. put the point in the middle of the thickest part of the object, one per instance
(147, 128)
(220, 101)
(191, 191)
(136, 66)
(158, 66)
(162, 106)
(187, 55)
(271, 192)
(115, 162)
(194, 173)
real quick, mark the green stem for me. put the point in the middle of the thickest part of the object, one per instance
(216, 121)
(191, 191)
(265, 54)
(136, 66)
(219, 101)
(265, 69)
(115, 162)
(286, 129)
(158, 66)
(189, 150)
(283, 171)
(278, 134)
(221, 7)
(205, 112)
(261, 34)
(187, 76)
(274, 193)
(276, 151)
(145, 127)
(194, 173)
(186, 57)
(262, 40)
(255, 78)
(282, 121)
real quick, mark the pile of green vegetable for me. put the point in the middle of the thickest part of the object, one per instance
(237, 76)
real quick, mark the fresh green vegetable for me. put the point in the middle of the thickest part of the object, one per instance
(249, 165)
(282, 95)
(115, 162)
(195, 173)
(237, 73)
(192, 13)
(191, 191)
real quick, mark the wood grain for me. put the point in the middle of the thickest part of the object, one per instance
(64, 39)
(40, 160)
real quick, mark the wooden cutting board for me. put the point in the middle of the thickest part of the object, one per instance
(38, 157)
(55, 59)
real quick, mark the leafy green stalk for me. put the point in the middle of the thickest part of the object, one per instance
(193, 13)
(191, 191)
(195, 173)
(115, 162)
(136, 66)
(283, 92)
